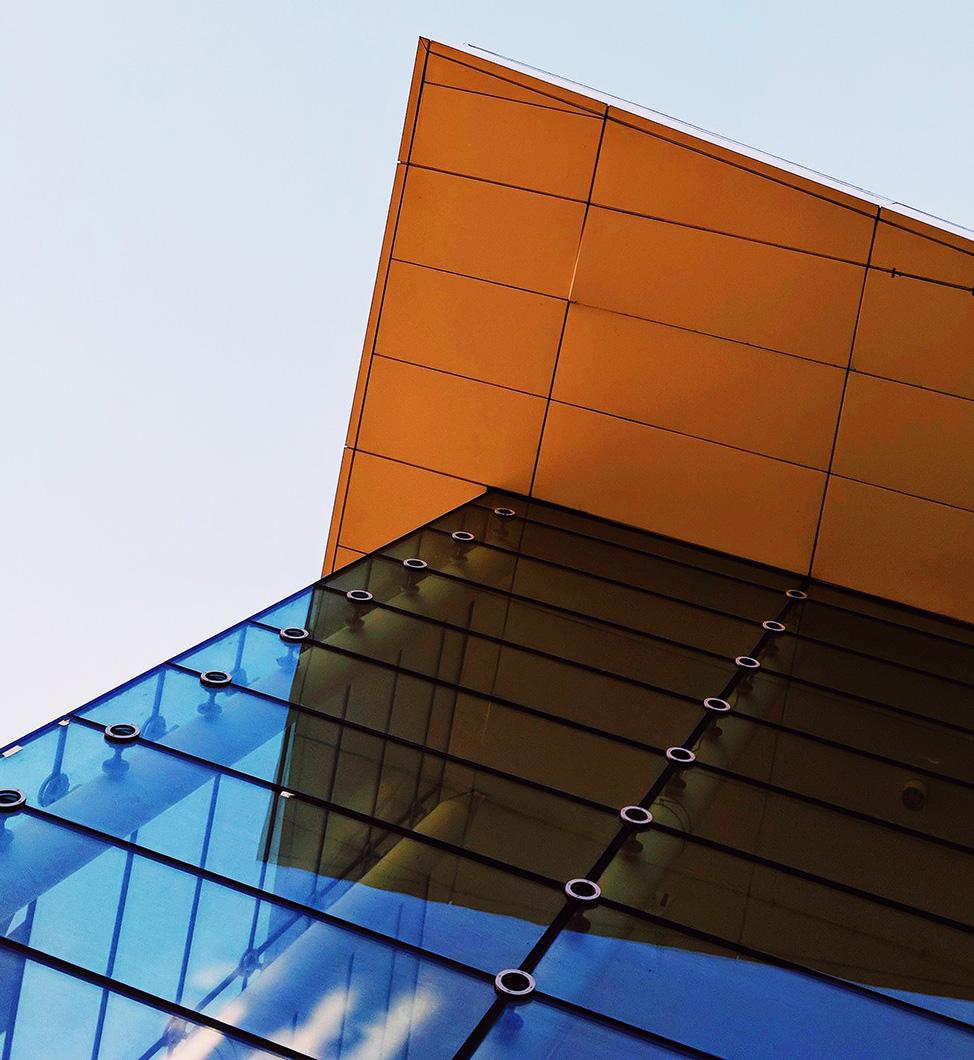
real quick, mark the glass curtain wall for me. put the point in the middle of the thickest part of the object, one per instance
(522, 783)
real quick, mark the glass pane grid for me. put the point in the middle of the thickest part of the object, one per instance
(329, 840)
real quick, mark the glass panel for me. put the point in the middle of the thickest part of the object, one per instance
(537, 1029)
(576, 640)
(711, 998)
(796, 919)
(878, 860)
(566, 588)
(289, 847)
(640, 540)
(926, 804)
(188, 940)
(500, 670)
(317, 755)
(886, 640)
(871, 728)
(875, 679)
(43, 1006)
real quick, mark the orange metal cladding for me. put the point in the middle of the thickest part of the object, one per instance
(599, 309)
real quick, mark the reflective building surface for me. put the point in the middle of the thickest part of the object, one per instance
(691, 805)
(656, 737)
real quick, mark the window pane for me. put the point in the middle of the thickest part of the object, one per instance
(710, 998)
(796, 919)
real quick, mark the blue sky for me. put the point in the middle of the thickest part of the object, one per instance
(191, 200)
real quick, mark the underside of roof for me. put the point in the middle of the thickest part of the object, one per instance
(593, 306)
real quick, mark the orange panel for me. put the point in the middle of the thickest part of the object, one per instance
(515, 237)
(739, 395)
(909, 246)
(515, 77)
(344, 556)
(899, 547)
(907, 439)
(696, 491)
(387, 499)
(409, 122)
(374, 310)
(649, 175)
(728, 154)
(460, 427)
(531, 147)
(477, 329)
(916, 331)
(782, 299)
(458, 75)
(337, 509)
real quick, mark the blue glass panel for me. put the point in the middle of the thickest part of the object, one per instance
(359, 872)
(537, 1029)
(295, 611)
(42, 1006)
(165, 931)
(709, 998)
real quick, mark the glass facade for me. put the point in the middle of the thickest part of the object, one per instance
(690, 805)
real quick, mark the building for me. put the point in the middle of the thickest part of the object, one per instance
(633, 714)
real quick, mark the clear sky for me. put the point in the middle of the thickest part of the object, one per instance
(192, 194)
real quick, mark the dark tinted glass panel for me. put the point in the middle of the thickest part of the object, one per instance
(883, 861)
(796, 919)
(842, 778)
(50, 1012)
(884, 682)
(710, 998)
(920, 648)
(538, 1029)
(911, 740)
(191, 941)
(637, 540)
(563, 587)
(573, 639)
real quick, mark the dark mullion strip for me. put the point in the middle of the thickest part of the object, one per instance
(256, 893)
(637, 682)
(328, 806)
(143, 997)
(642, 590)
(704, 551)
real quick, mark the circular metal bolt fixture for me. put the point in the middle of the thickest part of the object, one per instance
(294, 633)
(359, 596)
(215, 678)
(747, 663)
(583, 890)
(682, 756)
(514, 983)
(636, 816)
(11, 799)
(773, 626)
(796, 594)
(715, 703)
(505, 513)
(415, 564)
(463, 536)
(121, 732)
